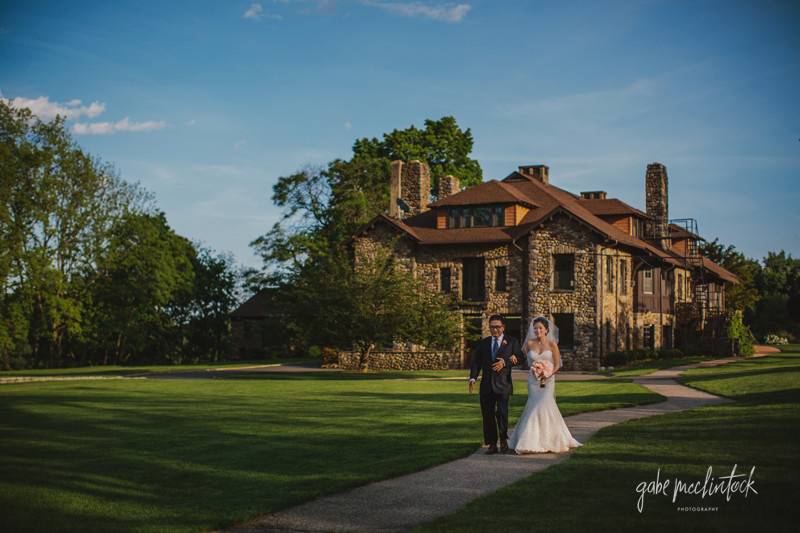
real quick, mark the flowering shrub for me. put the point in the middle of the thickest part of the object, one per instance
(772, 338)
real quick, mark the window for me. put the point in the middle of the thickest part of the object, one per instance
(647, 284)
(608, 335)
(564, 272)
(473, 281)
(444, 279)
(566, 330)
(623, 276)
(610, 273)
(680, 286)
(500, 278)
(476, 216)
(649, 337)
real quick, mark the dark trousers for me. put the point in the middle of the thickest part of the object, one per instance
(494, 408)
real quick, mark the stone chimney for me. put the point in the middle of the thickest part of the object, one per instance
(448, 185)
(540, 172)
(409, 188)
(593, 195)
(657, 202)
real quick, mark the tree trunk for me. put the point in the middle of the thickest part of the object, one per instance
(363, 357)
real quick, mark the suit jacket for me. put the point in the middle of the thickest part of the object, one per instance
(481, 360)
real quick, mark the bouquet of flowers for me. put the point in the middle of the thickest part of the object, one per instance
(542, 370)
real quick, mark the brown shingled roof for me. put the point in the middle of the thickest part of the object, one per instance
(488, 192)
(611, 206)
(545, 200)
(679, 232)
(720, 271)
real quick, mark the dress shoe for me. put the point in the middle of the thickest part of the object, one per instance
(492, 450)
(503, 446)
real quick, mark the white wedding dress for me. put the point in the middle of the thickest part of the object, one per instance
(541, 428)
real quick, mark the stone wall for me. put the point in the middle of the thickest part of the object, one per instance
(399, 360)
(616, 318)
(562, 234)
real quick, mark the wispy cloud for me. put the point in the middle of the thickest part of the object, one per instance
(106, 128)
(256, 12)
(46, 110)
(440, 12)
(348, 125)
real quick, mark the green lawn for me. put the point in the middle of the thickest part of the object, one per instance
(116, 370)
(648, 366)
(595, 489)
(190, 455)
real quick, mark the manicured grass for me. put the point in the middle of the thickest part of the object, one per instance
(648, 366)
(190, 455)
(789, 347)
(595, 489)
(117, 370)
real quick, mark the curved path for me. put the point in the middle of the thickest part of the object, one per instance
(401, 503)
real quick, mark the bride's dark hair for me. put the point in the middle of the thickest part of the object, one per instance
(543, 321)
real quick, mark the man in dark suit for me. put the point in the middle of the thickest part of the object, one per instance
(495, 355)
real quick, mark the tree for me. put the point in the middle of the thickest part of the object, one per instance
(145, 271)
(57, 205)
(323, 206)
(369, 306)
(745, 295)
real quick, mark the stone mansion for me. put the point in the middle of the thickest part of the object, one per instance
(610, 276)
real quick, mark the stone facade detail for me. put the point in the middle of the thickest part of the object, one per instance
(411, 184)
(399, 360)
(448, 185)
(657, 200)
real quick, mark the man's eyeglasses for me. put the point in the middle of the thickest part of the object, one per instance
(496, 327)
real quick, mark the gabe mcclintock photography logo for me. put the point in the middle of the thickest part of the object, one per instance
(728, 485)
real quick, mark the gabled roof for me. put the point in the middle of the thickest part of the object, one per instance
(488, 192)
(257, 306)
(679, 232)
(545, 201)
(720, 271)
(611, 206)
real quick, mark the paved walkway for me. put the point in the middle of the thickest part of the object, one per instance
(402, 503)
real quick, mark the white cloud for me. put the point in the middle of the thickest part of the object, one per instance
(441, 12)
(46, 110)
(238, 145)
(191, 122)
(256, 12)
(348, 125)
(106, 128)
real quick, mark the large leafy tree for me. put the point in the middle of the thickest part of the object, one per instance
(370, 305)
(146, 269)
(745, 295)
(57, 205)
(89, 270)
(322, 206)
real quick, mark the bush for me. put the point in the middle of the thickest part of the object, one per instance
(617, 358)
(314, 351)
(738, 330)
(670, 353)
(774, 338)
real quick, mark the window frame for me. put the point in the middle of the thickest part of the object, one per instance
(555, 278)
(504, 278)
(562, 344)
(645, 278)
(446, 288)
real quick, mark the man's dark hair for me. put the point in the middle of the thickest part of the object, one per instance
(498, 317)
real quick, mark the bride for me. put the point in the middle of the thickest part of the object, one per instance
(541, 427)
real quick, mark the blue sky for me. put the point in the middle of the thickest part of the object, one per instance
(207, 103)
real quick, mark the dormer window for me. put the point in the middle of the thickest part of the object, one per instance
(479, 216)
